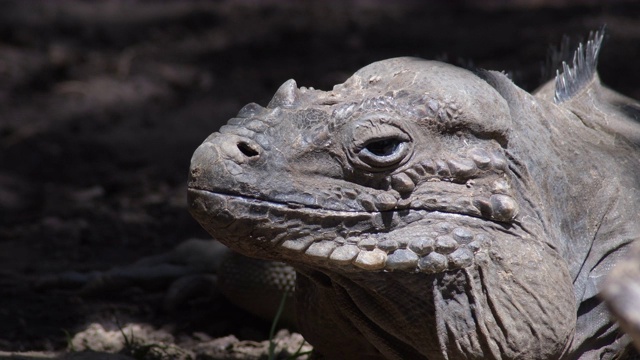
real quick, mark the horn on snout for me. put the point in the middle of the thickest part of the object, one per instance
(286, 95)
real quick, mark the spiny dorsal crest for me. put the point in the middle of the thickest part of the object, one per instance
(585, 61)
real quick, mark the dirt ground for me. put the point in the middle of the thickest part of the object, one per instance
(103, 102)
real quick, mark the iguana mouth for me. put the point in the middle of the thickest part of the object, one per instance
(410, 240)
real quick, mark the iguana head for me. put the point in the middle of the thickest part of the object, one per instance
(433, 212)
(400, 168)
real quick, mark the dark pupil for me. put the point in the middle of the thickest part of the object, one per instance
(383, 147)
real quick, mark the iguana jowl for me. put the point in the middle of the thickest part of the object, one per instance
(432, 212)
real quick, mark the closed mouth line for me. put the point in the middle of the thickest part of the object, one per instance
(303, 207)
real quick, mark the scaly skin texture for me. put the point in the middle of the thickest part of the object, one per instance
(432, 213)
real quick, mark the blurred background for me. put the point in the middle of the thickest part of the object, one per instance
(103, 102)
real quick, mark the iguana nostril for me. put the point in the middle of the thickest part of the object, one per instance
(247, 149)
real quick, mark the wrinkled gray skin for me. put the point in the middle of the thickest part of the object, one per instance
(434, 213)
(622, 294)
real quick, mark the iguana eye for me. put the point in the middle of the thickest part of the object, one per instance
(378, 144)
(383, 152)
(385, 147)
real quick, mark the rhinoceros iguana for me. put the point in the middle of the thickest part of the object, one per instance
(431, 212)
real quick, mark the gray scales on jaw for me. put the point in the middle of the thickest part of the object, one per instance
(432, 212)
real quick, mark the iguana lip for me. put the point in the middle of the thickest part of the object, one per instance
(496, 207)
(414, 240)
(195, 193)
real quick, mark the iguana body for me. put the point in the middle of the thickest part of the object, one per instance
(435, 213)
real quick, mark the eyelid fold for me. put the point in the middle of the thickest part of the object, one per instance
(368, 131)
(400, 151)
